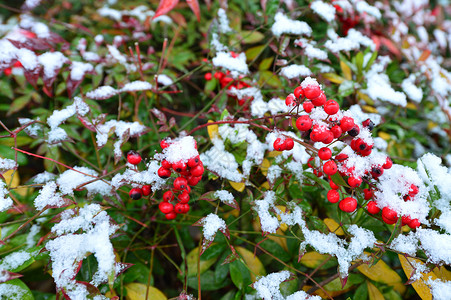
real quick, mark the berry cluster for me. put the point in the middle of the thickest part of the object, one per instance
(134, 158)
(189, 169)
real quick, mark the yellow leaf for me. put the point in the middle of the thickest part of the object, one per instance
(431, 125)
(264, 166)
(239, 186)
(346, 70)
(365, 98)
(373, 292)
(381, 272)
(369, 109)
(213, 130)
(265, 185)
(333, 226)
(137, 291)
(419, 285)
(313, 259)
(274, 153)
(333, 77)
(442, 273)
(266, 63)
(15, 182)
(253, 263)
(323, 295)
(410, 105)
(384, 135)
(191, 261)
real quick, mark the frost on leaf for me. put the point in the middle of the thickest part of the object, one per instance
(5, 201)
(211, 224)
(284, 25)
(70, 247)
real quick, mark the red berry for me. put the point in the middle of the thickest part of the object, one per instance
(168, 196)
(164, 173)
(413, 190)
(389, 214)
(308, 162)
(354, 131)
(320, 100)
(279, 145)
(187, 189)
(290, 100)
(348, 204)
(193, 161)
(178, 208)
(184, 197)
(165, 164)
(405, 220)
(318, 134)
(164, 144)
(146, 190)
(346, 123)
(219, 75)
(341, 157)
(324, 153)
(133, 157)
(368, 124)
(180, 183)
(135, 193)
(333, 196)
(377, 171)
(289, 144)
(179, 166)
(354, 181)
(166, 207)
(330, 167)
(414, 224)
(333, 185)
(197, 170)
(331, 107)
(372, 208)
(318, 173)
(298, 92)
(185, 208)
(193, 180)
(367, 194)
(171, 216)
(388, 163)
(329, 137)
(312, 91)
(304, 123)
(308, 106)
(388, 221)
(208, 76)
(336, 130)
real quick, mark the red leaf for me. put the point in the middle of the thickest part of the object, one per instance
(194, 5)
(164, 7)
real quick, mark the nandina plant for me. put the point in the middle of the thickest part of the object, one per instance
(232, 150)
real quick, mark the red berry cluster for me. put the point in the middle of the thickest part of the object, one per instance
(281, 144)
(134, 158)
(390, 216)
(189, 174)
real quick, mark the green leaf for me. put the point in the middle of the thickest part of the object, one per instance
(5, 89)
(253, 52)
(361, 292)
(7, 152)
(250, 37)
(266, 63)
(208, 282)
(19, 103)
(346, 88)
(17, 289)
(276, 250)
(289, 287)
(359, 62)
(32, 252)
(240, 275)
(370, 61)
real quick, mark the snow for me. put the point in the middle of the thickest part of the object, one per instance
(10, 290)
(268, 288)
(27, 58)
(16, 259)
(102, 92)
(52, 62)
(363, 7)
(148, 176)
(412, 91)
(284, 25)
(136, 86)
(352, 41)
(294, 71)
(7, 164)
(181, 149)
(440, 289)
(79, 69)
(30, 4)
(120, 128)
(71, 246)
(211, 224)
(70, 180)
(5, 202)
(313, 52)
(324, 10)
(59, 116)
(165, 79)
(224, 196)
(236, 65)
(223, 21)
(48, 196)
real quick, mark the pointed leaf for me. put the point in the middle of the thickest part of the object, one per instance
(137, 291)
(194, 5)
(419, 285)
(164, 7)
(254, 264)
(373, 292)
(381, 272)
